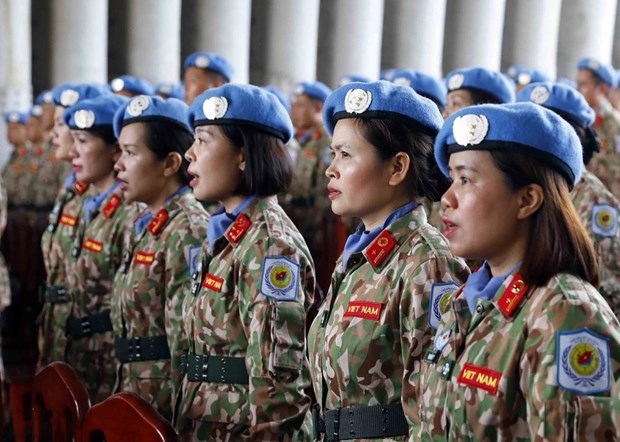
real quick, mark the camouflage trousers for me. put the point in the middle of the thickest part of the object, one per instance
(52, 340)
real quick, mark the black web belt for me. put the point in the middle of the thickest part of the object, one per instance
(88, 325)
(376, 421)
(219, 369)
(55, 294)
(150, 348)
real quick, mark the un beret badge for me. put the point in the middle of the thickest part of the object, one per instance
(69, 97)
(215, 107)
(593, 64)
(117, 84)
(456, 81)
(36, 110)
(524, 78)
(47, 97)
(402, 81)
(470, 129)
(539, 94)
(202, 61)
(357, 101)
(84, 118)
(13, 117)
(138, 105)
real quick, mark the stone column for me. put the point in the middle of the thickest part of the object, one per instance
(79, 41)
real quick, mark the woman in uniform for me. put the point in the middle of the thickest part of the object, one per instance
(102, 236)
(382, 307)
(147, 299)
(246, 372)
(527, 349)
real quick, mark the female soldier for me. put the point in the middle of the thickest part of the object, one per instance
(98, 245)
(528, 349)
(57, 240)
(146, 304)
(382, 306)
(246, 371)
(597, 207)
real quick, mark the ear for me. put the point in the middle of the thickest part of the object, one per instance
(241, 160)
(400, 167)
(172, 164)
(530, 199)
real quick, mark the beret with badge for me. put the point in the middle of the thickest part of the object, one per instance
(69, 94)
(45, 97)
(170, 90)
(604, 71)
(353, 78)
(484, 80)
(525, 75)
(144, 108)
(423, 84)
(211, 61)
(133, 84)
(15, 117)
(384, 100)
(93, 113)
(281, 97)
(313, 89)
(36, 110)
(242, 104)
(516, 127)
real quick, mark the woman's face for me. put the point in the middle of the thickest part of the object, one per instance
(16, 134)
(141, 172)
(358, 179)
(215, 164)
(62, 140)
(457, 100)
(480, 211)
(92, 159)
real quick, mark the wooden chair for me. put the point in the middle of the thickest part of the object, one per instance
(20, 406)
(59, 404)
(126, 417)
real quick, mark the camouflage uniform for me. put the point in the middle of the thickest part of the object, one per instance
(56, 244)
(606, 163)
(371, 331)
(530, 364)
(147, 299)
(5, 285)
(49, 176)
(18, 177)
(258, 282)
(599, 211)
(99, 247)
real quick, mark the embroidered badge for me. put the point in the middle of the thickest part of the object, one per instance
(68, 220)
(158, 222)
(213, 282)
(480, 377)
(84, 118)
(236, 231)
(583, 362)
(357, 101)
(193, 258)
(524, 78)
(117, 84)
(513, 295)
(439, 291)
(539, 94)
(92, 245)
(111, 206)
(215, 107)
(280, 278)
(144, 258)
(202, 61)
(470, 129)
(69, 97)
(380, 248)
(456, 81)
(138, 105)
(605, 220)
(364, 309)
(442, 339)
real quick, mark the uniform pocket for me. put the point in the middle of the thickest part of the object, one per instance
(590, 418)
(287, 334)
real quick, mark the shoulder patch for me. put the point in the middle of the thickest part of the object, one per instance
(440, 295)
(583, 362)
(605, 220)
(193, 258)
(280, 278)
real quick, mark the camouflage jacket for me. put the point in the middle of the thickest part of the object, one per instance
(49, 176)
(5, 283)
(530, 364)
(258, 282)
(379, 315)
(148, 291)
(600, 212)
(18, 177)
(606, 163)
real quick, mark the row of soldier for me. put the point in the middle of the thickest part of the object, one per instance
(207, 315)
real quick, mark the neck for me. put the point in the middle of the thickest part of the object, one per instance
(168, 189)
(232, 202)
(378, 217)
(105, 183)
(510, 256)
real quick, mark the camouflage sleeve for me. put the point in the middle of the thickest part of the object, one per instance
(5, 284)
(275, 330)
(554, 412)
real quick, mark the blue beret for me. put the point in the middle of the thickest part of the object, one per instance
(559, 98)
(484, 80)
(387, 74)
(69, 94)
(315, 89)
(240, 104)
(423, 84)
(524, 75)
(144, 108)
(280, 95)
(520, 127)
(384, 100)
(93, 113)
(36, 110)
(135, 85)
(15, 117)
(211, 61)
(170, 90)
(353, 78)
(44, 97)
(604, 71)
(567, 81)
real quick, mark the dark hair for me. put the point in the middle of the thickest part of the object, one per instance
(268, 165)
(479, 96)
(588, 137)
(390, 137)
(558, 241)
(164, 137)
(106, 133)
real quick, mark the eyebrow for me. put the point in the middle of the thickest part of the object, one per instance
(462, 167)
(338, 146)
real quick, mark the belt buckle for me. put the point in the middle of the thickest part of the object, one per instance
(200, 367)
(85, 325)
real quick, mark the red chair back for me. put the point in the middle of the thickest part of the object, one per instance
(59, 404)
(126, 417)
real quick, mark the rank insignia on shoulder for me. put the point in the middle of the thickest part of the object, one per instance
(441, 295)
(80, 188)
(111, 206)
(380, 248)
(583, 362)
(512, 297)
(280, 278)
(236, 231)
(158, 222)
(605, 220)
